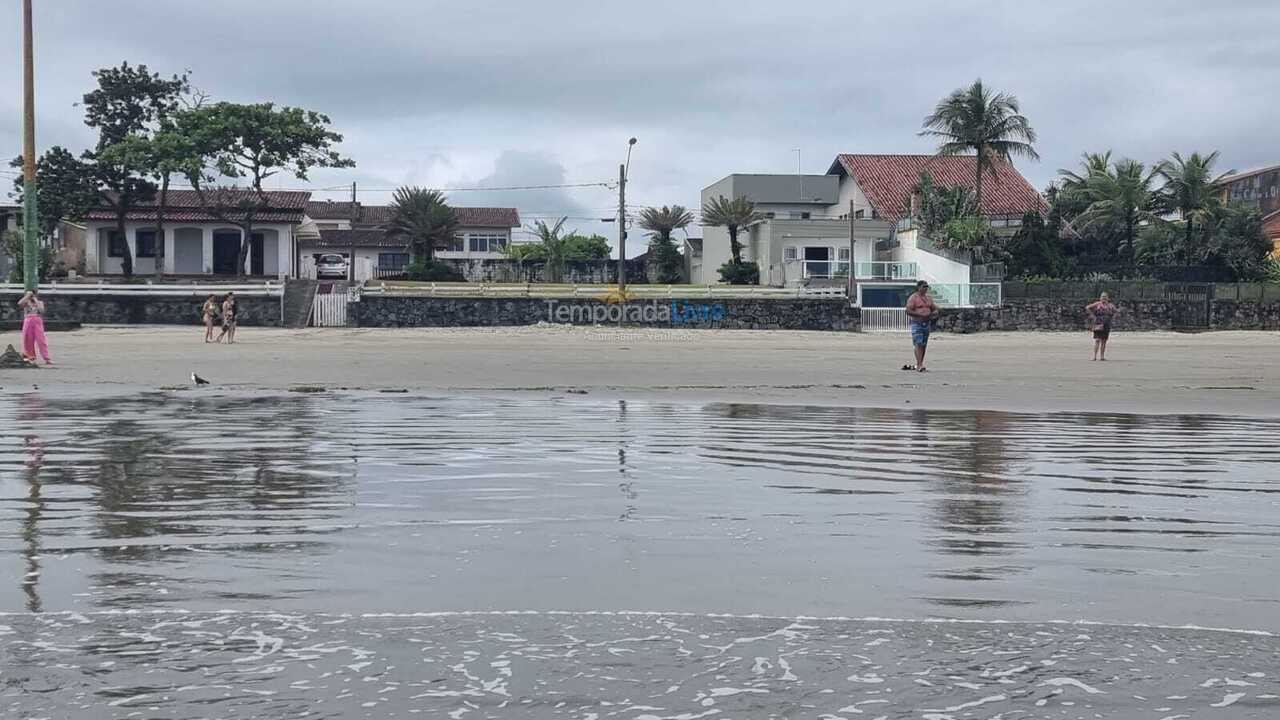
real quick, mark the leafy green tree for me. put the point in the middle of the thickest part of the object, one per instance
(1193, 192)
(586, 247)
(1036, 248)
(989, 124)
(252, 143)
(66, 188)
(1123, 196)
(129, 101)
(522, 252)
(938, 209)
(423, 219)
(667, 265)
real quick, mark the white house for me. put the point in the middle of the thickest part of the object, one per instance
(196, 241)
(358, 232)
(856, 218)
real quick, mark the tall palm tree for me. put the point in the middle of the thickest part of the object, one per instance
(555, 247)
(731, 215)
(665, 220)
(1089, 164)
(422, 219)
(1191, 190)
(987, 123)
(1122, 196)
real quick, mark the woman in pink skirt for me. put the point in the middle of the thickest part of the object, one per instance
(33, 328)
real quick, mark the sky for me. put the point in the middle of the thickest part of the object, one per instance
(547, 92)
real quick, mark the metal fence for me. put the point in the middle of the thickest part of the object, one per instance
(600, 292)
(885, 320)
(1134, 290)
(270, 289)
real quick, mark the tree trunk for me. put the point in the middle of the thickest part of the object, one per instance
(160, 207)
(734, 249)
(977, 184)
(246, 238)
(1186, 244)
(126, 260)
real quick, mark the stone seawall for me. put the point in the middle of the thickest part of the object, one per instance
(91, 308)
(1135, 315)
(736, 313)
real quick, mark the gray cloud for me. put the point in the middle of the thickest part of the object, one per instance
(447, 93)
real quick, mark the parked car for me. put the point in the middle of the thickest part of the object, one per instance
(332, 266)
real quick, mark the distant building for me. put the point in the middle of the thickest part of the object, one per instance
(1261, 189)
(358, 232)
(805, 233)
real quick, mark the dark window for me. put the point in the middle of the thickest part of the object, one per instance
(457, 243)
(116, 246)
(393, 261)
(146, 242)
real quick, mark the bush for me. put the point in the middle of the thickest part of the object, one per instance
(434, 272)
(667, 264)
(740, 273)
(13, 248)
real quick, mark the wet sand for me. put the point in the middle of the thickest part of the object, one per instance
(1220, 373)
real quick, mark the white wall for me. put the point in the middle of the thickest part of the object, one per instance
(849, 190)
(277, 247)
(931, 267)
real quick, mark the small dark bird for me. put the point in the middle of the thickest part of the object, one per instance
(198, 380)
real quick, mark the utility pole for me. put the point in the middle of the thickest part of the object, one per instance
(353, 193)
(30, 219)
(622, 229)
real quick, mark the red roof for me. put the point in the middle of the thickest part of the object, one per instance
(376, 215)
(887, 180)
(185, 206)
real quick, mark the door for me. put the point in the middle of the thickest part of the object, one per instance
(1190, 304)
(226, 253)
(255, 255)
(817, 262)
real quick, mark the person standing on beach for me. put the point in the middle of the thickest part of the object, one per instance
(33, 327)
(921, 310)
(209, 313)
(228, 319)
(1101, 312)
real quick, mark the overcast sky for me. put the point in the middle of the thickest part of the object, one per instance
(463, 94)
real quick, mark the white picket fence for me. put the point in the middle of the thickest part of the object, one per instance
(330, 310)
(269, 289)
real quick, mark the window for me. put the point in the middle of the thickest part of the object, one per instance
(789, 254)
(842, 254)
(393, 261)
(770, 215)
(482, 242)
(146, 243)
(859, 214)
(796, 215)
(116, 246)
(457, 243)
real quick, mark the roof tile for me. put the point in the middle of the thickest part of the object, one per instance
(887, 181)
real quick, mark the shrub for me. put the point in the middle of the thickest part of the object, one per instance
(740, 273)
(423, 271)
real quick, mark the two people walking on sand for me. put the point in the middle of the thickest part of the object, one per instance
(33, 337)
(226, 310)
(1101, 312)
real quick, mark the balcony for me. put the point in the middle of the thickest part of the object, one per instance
(804, 270)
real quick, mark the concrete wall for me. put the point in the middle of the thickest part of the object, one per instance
(585, 272)
(738, 313)
(934, 268)
(131, 309)
(1135, 315)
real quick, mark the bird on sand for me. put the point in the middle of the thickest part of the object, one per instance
(197, 380)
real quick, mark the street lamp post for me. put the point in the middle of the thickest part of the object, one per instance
(30, 220)
(622, 219)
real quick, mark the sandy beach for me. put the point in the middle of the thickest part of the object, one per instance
(1219, 373)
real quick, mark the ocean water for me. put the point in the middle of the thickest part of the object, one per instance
(367, 555)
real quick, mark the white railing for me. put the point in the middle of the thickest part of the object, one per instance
(839, 269)
(270, 289)
(945, 294)
(602, 292)
(885, 270)
(885, 320)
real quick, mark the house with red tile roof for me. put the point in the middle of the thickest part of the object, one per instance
(358, 232)
(1258, 188)
(855, 219)
(199, 238)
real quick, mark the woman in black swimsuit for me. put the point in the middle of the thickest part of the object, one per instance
(228, 319)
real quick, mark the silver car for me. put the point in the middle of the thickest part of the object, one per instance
(332, 266)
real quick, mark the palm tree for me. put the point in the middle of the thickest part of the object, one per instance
(989, 124)
(1191, 190)
(665, 220)
(555, 247)
(1121, 196)
(1089, 164)
(422, 219)
(730, 214)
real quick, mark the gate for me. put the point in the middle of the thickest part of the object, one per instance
(885, 320)
(330, 309)
(1190, 303)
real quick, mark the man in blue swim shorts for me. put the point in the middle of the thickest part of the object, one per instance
(920, 310)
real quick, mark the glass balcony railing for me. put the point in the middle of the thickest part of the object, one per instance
(821, 269)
